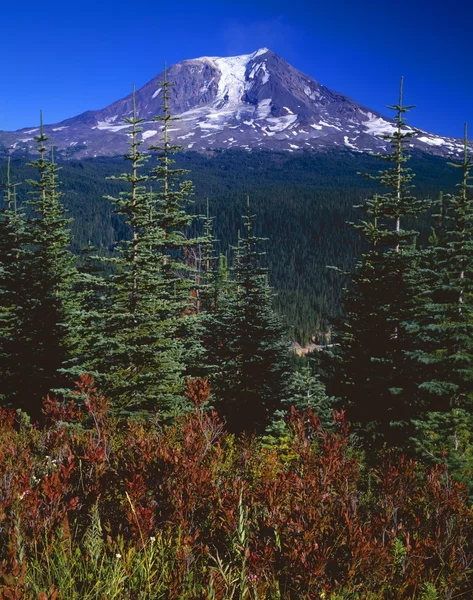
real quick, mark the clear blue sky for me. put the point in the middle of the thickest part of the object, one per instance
(67, 57)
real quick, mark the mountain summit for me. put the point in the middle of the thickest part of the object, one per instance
(250, 101)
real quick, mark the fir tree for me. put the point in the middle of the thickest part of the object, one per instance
(444, 350)
(12, 288)
(143, 336)
(218, 319)
(43, 301)
(305, 392)
(211, 268)
(171, 199)
(447, 438)
(251, 355)
(135, 352)
(374, 379)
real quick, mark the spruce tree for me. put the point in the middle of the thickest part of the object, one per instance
(135, 354)
(444, 349)
(251, 355)
(374, 378)
(43, 302)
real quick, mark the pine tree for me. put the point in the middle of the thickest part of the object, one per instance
(250, 355)
(444, 350)
(374, 378)
(12, 288)
(43, 300)
(132, 345)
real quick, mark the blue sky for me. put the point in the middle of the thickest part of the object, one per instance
(67, 57)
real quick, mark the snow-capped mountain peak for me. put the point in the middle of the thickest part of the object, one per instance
(250, 101)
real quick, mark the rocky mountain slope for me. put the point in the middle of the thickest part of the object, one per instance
(251, 101)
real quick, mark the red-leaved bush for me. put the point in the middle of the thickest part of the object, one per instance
(311, 522)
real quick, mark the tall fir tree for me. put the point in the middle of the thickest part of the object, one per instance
(374, 378)
(133, 347)
(140, 325)
(172, 196)
(250, 355)
(42, 306)
(444, 349)
(211, 268)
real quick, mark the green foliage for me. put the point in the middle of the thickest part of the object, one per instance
(303, 201)
(447, 437)
(132, 333)
(375, 382)
(305, 392)
(429, 592)
(244, 340)
(40, 272)
(12, 227)
(444, 349)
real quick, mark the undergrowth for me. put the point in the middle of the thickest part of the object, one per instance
(96, 508)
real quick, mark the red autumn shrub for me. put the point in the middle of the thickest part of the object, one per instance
(317, 522)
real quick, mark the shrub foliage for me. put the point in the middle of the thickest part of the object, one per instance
(93, 507)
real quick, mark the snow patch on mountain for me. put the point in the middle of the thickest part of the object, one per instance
(432, 141)
(281, 123)
(232, 78)
(260, 52)
(311, 93)
(325, 124)
(379, 126)
(349, 144)
(264, 109)
(149, 134)
(105, 125)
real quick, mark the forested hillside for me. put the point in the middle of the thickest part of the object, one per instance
(302, 201)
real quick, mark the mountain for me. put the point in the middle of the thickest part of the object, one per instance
(253, 101)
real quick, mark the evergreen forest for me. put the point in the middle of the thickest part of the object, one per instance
(159, 438)
(303, 202)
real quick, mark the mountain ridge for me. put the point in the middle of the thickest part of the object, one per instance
(250, 101)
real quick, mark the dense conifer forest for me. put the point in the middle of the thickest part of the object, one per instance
(158, 439)
(302, 202)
